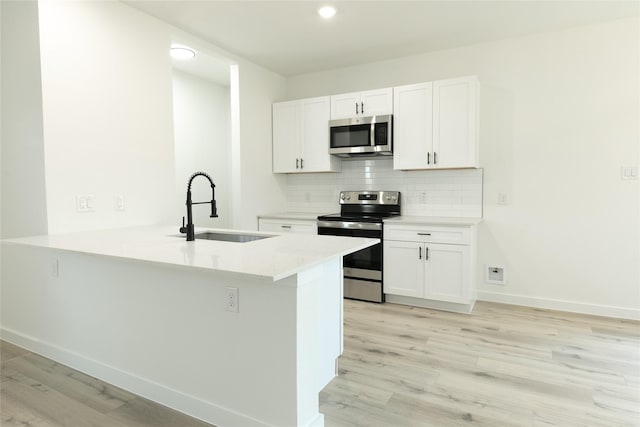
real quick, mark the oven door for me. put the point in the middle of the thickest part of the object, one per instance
(363, 268)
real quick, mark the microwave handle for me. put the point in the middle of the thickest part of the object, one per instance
(372, 135)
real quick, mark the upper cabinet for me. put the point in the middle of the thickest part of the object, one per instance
(369, 103)
(436, 124)
(301, 136)
(413, 126)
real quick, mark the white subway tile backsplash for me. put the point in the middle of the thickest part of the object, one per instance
(455, 193)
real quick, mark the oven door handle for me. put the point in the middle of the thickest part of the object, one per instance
(350, 225)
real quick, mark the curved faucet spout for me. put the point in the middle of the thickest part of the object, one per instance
(189, 228)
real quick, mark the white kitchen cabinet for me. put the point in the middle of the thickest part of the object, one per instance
(403, 270)
(362, 104)
(413, 126)
(284, 225)
(430, 266)
(301, 136)
(436, 124)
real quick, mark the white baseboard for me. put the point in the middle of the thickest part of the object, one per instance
(159, 393)
(553, 304)
(426, 303)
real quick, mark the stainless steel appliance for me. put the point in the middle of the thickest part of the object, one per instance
(361, 215)
(364, 136)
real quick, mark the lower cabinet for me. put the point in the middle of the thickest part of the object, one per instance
(426, 268)
(287, 226)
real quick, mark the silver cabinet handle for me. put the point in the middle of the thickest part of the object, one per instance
(426, 253)
(420, 252)
(301, 164)
(435, 157)
(285, 226)
(356, 108)
(362, 108)
(296, 163)
(424, 234)
(429, 158)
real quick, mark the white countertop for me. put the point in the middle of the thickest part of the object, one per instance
(432, 220)
(293, 215)
(274, 258)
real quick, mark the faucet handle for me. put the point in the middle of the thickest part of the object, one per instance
(183, 229)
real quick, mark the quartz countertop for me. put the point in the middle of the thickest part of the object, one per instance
(293, 215)
(431, 220)
(274, 258)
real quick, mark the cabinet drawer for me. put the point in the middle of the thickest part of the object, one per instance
(429, 234)
(292, 226)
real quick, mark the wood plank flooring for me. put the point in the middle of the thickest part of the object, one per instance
(402, 366)
(502, 365)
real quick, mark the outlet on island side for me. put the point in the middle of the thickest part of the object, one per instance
(231, 299)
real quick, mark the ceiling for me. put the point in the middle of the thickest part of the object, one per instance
(289, 37)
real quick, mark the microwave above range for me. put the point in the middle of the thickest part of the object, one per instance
(361, 136)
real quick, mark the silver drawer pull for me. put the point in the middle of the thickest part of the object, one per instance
(424, 234)
(285, 226)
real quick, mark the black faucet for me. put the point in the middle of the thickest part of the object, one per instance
(189, 228)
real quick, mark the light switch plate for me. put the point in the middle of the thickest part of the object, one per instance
(85, 203)
(629, 173)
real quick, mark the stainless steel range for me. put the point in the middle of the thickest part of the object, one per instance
(361, 215)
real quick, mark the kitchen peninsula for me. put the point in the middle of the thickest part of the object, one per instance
(231, 333)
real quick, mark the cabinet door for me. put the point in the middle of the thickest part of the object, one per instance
(286, 135)
(447, 270)
(412, 126)
(403, 268)
(315, 135)
(343, 106)
(455, 110)
(376, 102)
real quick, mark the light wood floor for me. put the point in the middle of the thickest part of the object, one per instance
(500, 366)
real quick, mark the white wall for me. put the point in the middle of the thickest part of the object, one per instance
(107, 106)
(23, 192)
(259, 189)
(559, 117)
(201, 121)
(107, 114)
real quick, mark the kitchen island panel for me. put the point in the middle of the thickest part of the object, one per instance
(112, 318)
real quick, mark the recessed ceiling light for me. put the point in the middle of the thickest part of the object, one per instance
(182, 52)
(327, 12)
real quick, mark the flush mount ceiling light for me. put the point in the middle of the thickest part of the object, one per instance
(327, 12)
(182, 52)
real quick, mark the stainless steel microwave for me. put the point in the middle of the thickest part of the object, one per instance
(361, 136)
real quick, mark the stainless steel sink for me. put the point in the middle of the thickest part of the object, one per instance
(229, 237)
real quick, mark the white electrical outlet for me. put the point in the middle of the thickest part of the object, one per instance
(231, 299)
